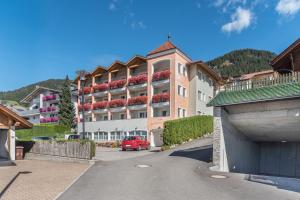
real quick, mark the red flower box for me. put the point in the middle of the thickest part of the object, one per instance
(136, 80)
(162, 75)
(100, 87)
(85, 107)
(100, 105)
(86, 90)
(49, 97)
(163, 97)
(137, 100)
(117, 103)
(117, 84)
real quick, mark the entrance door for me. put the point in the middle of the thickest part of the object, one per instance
(280, 158)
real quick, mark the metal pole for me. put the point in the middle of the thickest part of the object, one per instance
(82, 110)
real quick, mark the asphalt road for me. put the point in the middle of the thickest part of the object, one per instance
(180, 174)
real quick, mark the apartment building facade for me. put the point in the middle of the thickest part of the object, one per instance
(43, 106)
(137, 97)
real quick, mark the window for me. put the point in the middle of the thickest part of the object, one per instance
(164, 113)
(179, 68)
(122, 116)
(183, 92)
(179, 90)
(142, 94)
(143, 115)
(210, 82)
(164, 91)
(123, 97)
(183, 113)
(200, 75)
(113, 135)
(178, 112)
(105, 117)
(199, 95)
(184, 71)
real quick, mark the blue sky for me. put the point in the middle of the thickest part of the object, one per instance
(42, 39)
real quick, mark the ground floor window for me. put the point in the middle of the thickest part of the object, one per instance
(117, 135)
(141, 133)
(87, 135)
(101, 136)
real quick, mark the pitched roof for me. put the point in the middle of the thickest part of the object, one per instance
(166, 46)
(10, 114)
(286, 52)
(268, 93)
(36, 91)
(252, 75)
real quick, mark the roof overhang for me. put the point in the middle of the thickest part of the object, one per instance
(35, 92)
(17, 120)
(214, 75)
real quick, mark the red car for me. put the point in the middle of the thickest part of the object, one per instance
(135, 143)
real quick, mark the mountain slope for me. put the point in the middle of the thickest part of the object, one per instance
(244, 61)
(18, 94)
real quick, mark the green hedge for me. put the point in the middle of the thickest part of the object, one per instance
(49, 130)
(181, 130)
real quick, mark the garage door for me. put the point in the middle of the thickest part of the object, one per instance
(280, 158)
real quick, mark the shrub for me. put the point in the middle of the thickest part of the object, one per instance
(100, 87)
(137, 100)
(117, 103)
(162, 75)
(100, 105)
(182, 130)
(117, 84)
(163, 97)
(136, 80)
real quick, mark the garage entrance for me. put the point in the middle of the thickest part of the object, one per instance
(280, 158)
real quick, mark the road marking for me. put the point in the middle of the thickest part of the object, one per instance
(143, 166)
(218, 176)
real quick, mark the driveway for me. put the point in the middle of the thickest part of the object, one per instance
(37, 180)
(179, 174)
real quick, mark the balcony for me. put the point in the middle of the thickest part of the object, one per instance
(49, 120)
(117, 105)
(161, 100)
(100, 90)
(137, 83)
(117, 87)
(51, 97)
(137, 103)
(50, 109)
(161, 78)
(86, 107)
(100, 107)
(86, 91)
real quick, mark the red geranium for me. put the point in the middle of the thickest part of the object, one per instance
(100, 87)
(162, 75)
(117, 103)
(163, 97)
(100, 105)
(137, 100)
(136, 80)
(117, 84)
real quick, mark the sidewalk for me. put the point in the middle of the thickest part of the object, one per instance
(38, 180)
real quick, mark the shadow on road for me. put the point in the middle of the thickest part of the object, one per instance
(203, 153)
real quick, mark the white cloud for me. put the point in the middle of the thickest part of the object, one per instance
(112, 6)
(288, 7)
(240, 20)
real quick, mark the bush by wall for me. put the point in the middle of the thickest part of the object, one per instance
(48, 130)
(181, 130)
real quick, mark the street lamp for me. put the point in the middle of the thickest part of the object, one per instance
(82, 74)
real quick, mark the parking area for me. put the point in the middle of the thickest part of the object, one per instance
(111, 154)
(37, 180)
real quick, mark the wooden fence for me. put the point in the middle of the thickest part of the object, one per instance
(264, 82)
(80, 150)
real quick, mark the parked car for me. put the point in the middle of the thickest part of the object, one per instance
(39, 138)
(135, 143)
(72, 137)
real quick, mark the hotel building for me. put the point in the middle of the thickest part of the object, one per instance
(137, 97)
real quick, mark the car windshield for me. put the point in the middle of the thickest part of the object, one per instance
(129, 138)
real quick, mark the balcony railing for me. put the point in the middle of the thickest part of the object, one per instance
(137, 80)
(161, 75)
(117, 84)
(116, 103)
(49, 120)
(100, 87)
(264, 82)
(100, 105)
(159, 98)
(50, 97)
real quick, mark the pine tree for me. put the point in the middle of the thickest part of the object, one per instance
(66, 107)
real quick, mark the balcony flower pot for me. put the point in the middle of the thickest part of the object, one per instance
(117, 84)
(163, 97)
(116, 103)
(137, 100)
(137, 80)
(100, 87)
(100, 105)
(162, 75)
